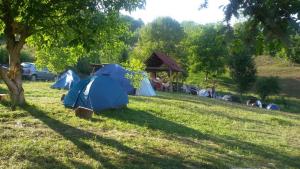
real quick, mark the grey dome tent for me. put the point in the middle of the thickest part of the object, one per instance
(145, 88)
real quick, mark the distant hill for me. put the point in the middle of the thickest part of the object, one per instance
(288, 73)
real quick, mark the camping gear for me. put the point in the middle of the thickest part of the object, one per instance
(117, 73)
(254, 102)
(145, 88)
(251, 102)
(185, 88)
(203, 93)
(84, 113)
(259, 104)
(193, 90)
(227, 98)
(273, 107)
(96, 93)
(66, 81)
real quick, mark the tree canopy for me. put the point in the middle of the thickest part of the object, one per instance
(206, 48)
(163, 34)
(277, 18)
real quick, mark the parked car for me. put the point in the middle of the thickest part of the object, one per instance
(29, 71)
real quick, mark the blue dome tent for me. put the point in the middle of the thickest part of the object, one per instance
(117, 73)
(96, 93)
(66, 81)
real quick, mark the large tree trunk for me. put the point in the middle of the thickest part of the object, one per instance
(15, 36)
(13, 76)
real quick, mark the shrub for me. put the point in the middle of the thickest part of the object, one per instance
(137, 67)
(26, 57)
(83, 66)
(267, 86)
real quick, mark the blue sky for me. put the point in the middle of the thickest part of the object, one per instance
(181, 10)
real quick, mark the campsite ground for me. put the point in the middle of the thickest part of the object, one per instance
(167, 131)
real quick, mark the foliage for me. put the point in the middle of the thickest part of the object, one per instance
(278, 19)
(105, 44)
(289, 52)
(57, 59)
(267, 86)
(275, 23)
(25, 56)
(136, 74)
(242, 66)
(134, 26)
(294, 49)
(248, 36)
(83, 66)
(206, 48)
(163, 35)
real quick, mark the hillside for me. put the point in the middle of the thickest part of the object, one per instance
(289, 74)
(289, 80)
(167, 131)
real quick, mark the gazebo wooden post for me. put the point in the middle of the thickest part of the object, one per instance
(171, 81)
(177, 83)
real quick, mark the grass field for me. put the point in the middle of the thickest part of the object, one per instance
(167, 131)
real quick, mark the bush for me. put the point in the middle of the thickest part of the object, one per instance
(267, 86)
(24, 56)
(83, 66)
(137, 67)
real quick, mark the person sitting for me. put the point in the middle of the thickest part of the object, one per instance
(157, 83)
(165, 86)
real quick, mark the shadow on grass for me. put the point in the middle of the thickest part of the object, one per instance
(147, 119)
(290, 87)
(47, 162)
(137, 159)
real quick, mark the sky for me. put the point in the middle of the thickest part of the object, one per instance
(181, 10)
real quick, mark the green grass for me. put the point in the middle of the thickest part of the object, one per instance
(167, 131)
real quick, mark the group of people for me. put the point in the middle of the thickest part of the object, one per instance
(209, 92)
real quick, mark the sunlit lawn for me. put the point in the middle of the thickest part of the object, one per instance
(167, 131)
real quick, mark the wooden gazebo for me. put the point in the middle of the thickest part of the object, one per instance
(159, 62)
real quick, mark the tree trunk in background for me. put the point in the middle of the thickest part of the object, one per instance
(15, 36)
(13, 76)
(206, 76)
